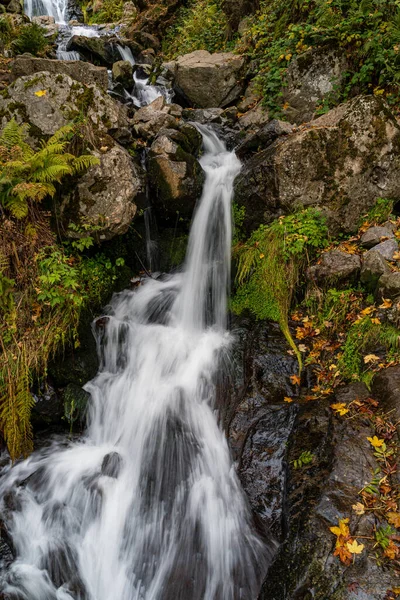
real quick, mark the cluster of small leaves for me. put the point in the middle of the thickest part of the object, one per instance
(380, 495)
(110, 12)
(346, 547)
(367, 32)
(305, 458)
(30, 38)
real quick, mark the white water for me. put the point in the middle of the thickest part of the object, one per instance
(148, 505)
(53, 8)
(142, 93)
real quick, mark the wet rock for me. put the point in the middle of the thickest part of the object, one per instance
(148, 120)
(197, 73)
(80, 71)
(373, 267)
(111, 465)
(375, 235)
(387, 249)
(146, 57)
(105, 197)
(175, 175)
(310, 78)
(203, 115)
(145, 39)
(254, 119)
(389, 286)
(261, 138)
(61, 100)
(98, 50)
(341, 162)
(335, 266)
(15, 6)
(122, 72)
(250, 99)
(386, 389)
(48, 408)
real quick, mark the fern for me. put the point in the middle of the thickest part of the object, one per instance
(27, 176)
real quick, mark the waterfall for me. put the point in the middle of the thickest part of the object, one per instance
(147, 506)
(53, 8)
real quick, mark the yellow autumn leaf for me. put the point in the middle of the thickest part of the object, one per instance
(358, 508)
(287, 399)
(262, 255)
(375, 441)
(288, 56)
(370, 358)
(368, 310)
(386, 303)
(394, 519)
(41, 93)
(355, 547)
(340, 408)
(396, 590)
(376, 321)
(342, 529)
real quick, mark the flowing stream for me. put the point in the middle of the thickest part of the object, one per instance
(147, 505)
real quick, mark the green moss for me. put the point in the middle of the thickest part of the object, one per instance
(31, 82)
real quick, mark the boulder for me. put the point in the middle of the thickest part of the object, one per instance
(207, 80)
(373, 267)
(76, 69)
(375, 235)
(387, 249)
(46, 102)
(341, 162)
(386, 389)
(310, 78)
(203, 115)
(98, 50)
(254, 119)
(15, 6)
(389, 286)
(176, 176)
(261, 138)
(122, 72)
(335, 266)
(250, 99)
(148, 120)
(105, 197)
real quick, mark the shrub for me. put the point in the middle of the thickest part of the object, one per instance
(31, 39)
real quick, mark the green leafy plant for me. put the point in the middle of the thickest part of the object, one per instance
(269, 265)
(31, 38)
(110, 12)
(29, 176)
(305, 458)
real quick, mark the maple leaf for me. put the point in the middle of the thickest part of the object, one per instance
(302, 348)
(376, 321)
(394, 519)
(41, 93)
(375, 442)
(396, 590)
(287, 399)
(370, 358)
(295, 379)
(368, 310)
(391, 551)
(343, 528)
(358, 508)
(340, 408)
(386, 303)
(354, 547)
(343, 554)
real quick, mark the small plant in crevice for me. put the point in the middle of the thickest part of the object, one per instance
(270, 263)
(305, 458)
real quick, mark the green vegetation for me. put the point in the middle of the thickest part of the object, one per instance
(44, 285)
(110, 11)
(305, 458)
(270, 264)
(30, 38)
(201, 25)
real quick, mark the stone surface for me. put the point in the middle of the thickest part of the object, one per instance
(389, 286)
(375, 235)
(386, 389)
(387, 249)
(341, 162)
(310, 78)
(208, 80)
(106, 196)
(98, 50)
(335, 266)
(254, 119)
(176, 176)
(148, 120)
(203, 115)
(261, 138)
(122, 72)
(250, 99)
(15, 6)
(76, 69)
(373, 267)
(63, 99)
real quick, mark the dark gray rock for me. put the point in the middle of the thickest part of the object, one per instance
(335, 266)
(389, 286)
(331, 163)
(387, 249)
(203, 115)
(386, 389)
(373, 267)
(375, 235)
(263, 137)
(122, 72)
(75, 400)
(98, 50)
(311, 77)
(148, 120)
(111, 465)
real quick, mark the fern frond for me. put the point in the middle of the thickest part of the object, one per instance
(84, 162)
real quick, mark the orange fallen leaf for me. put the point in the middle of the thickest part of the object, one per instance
(295, 379)
(376, 321)
(287, 399)
(343, 528)
(375, 441)
(394, 519)
(370, 358)
(386, 303)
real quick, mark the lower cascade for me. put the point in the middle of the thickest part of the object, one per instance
(147, 506)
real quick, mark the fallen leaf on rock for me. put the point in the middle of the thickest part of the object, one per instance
(287, 399)
(386, 303)
(41, 93)
(295, 379)
(340, 408)
(375, 441)
(354, 547)
(370, 358)
(394, 519)
(358, 508)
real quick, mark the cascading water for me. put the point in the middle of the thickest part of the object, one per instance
(148, 505)
(52, 8)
